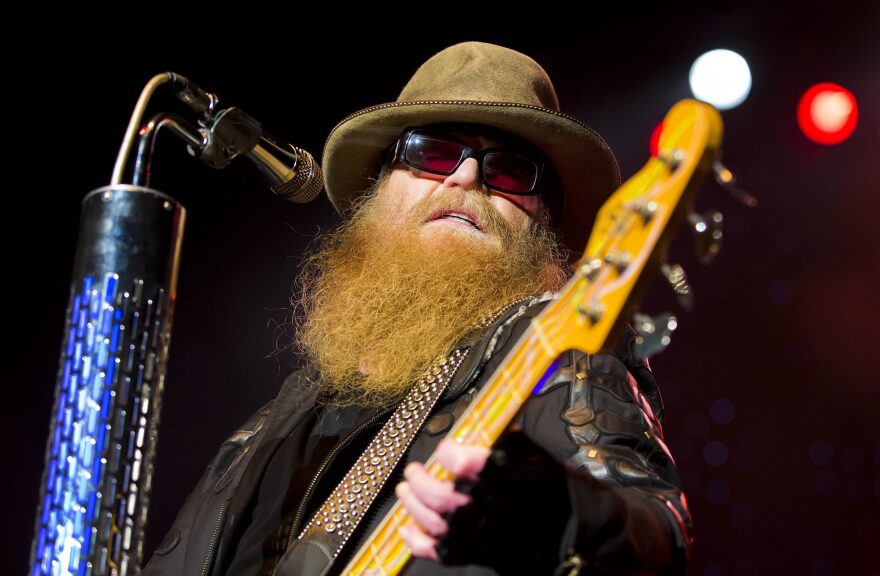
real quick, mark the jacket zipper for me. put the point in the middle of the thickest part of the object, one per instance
(214, 534)
(321, 469)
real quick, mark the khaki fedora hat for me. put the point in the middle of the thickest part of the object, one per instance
(479, 83)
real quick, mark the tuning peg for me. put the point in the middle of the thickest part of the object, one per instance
(620, 260)
(645, 208)
(590, 268)
(593, 312)
(727, 180)
(677, 279)
(653, 333)
(707, 233)
(672, 158)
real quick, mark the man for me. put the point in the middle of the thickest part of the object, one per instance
(446, 252)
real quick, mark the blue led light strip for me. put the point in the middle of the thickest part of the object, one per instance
(102, 433)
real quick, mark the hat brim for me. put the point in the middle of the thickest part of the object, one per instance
(583, 161)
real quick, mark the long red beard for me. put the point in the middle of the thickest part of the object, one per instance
(376, 308)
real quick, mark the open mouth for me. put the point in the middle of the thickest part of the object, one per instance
(456, 216)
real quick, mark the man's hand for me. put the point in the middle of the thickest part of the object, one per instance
(427, 499)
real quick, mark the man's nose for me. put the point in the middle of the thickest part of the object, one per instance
(467, 176)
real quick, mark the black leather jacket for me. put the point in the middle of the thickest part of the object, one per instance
(587, 481)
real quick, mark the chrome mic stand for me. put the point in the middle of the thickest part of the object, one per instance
(96, 482)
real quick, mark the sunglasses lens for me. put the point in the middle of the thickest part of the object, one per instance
(510, 172)
(503, 170)
(433, 154)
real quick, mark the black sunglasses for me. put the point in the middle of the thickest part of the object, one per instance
(504, 169)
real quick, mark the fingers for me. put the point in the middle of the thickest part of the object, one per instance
(428, 519)
(427, 499)
(461, 460)
(438, 495)
(422, 545)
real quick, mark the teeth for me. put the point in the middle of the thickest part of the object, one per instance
(460, 217)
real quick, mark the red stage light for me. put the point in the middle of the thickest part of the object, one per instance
(827, 113)
(654, 142)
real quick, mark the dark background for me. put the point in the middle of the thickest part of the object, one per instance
(771, 384)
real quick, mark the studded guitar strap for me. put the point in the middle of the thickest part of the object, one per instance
(334, 523)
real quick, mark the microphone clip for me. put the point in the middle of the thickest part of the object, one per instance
(227, 134)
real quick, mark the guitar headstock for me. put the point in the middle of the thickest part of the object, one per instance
(633, 230)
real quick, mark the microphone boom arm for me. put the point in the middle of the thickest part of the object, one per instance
(147, 143)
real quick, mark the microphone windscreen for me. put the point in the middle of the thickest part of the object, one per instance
(306, 185)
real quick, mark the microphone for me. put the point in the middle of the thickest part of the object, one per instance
(290, 171)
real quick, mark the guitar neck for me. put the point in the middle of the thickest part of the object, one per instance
(485, 419)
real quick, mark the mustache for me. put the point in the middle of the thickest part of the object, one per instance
(474, 203)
